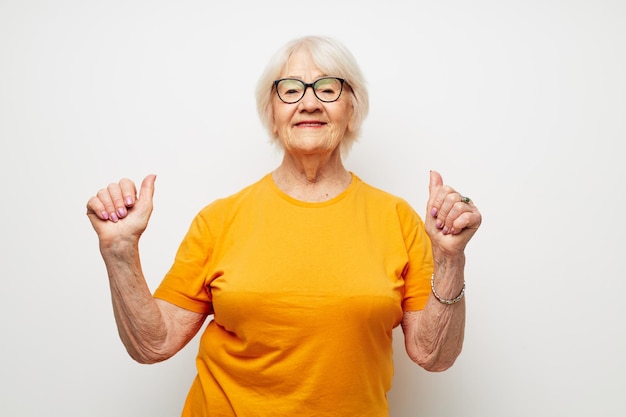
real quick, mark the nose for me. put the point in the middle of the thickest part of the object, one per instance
(309, 101)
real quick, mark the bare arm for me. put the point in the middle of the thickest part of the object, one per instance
(434, 336)
(152, 330)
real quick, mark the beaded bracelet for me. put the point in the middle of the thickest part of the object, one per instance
(444, 300)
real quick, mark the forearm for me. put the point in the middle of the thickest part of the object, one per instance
(439, 331)
(140, 323)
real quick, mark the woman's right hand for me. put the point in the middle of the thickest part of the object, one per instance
(117, 212)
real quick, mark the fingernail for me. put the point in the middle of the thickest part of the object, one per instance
(113, 217)
(433, 212)
(439, 224)
(445, 230)
(121, 212)
(104, 215)
(129, 201)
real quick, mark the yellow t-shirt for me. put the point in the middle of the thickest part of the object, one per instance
(305, 297)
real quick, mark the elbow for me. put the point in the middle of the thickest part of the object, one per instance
(437, 365)
(437, 361)
(145, 360)
(147, 356)
(146, 350)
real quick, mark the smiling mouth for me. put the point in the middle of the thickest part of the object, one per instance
(310, 124)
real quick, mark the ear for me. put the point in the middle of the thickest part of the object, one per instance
(272, 122)
(352, 120)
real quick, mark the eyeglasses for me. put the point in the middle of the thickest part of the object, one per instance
(291, 90)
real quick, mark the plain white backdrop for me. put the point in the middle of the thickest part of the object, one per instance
(519, 104)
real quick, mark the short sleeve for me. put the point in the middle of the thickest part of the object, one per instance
(185, 283)
(419, 269)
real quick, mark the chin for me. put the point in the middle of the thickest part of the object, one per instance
(311, 149)
(311, 143)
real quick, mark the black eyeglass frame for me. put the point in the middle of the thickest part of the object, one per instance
(307, 85)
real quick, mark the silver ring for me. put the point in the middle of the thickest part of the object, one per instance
(464, 199)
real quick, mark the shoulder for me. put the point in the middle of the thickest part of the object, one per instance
(231, 202)
(388, 201)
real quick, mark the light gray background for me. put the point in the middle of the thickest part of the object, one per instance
(519, 104)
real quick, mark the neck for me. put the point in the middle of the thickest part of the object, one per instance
(312, 177)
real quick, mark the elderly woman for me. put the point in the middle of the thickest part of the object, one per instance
(306, 272)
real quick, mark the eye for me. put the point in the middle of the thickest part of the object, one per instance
(328, 88)
(289, 87)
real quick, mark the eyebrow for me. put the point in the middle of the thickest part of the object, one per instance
(300, 78)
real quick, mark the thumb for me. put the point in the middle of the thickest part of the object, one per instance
(433, 186)
(147, 187)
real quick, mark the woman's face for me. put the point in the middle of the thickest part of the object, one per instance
(310, 126)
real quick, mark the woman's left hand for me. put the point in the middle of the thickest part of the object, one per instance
(451, 218)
